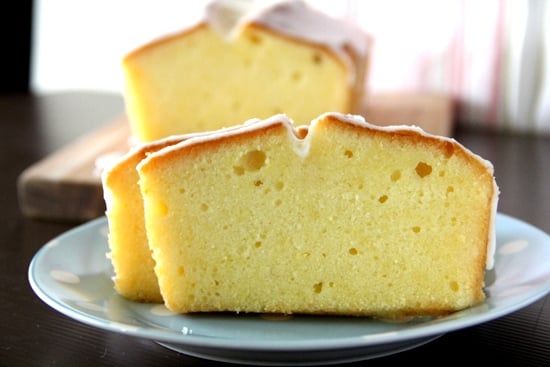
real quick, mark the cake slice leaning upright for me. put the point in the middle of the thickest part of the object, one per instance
(341, 218)
(134, 275)
(129, 252)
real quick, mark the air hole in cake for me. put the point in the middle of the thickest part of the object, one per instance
(450, 189)
(416, 229)
(258, 183)
(352, 251)
(204, 207)
(449, 149)
(258, 244)
(454, 286)
(318, 287)
(181, 271)
(396, 175)
(239, 171)
(253, 160)
(161, 209)
(348, 153)
(423, 169)
(382, 199)
(296, 76)
(279, 186)
(181, 191)
(278, 202)
(317, 58)
(254, 38)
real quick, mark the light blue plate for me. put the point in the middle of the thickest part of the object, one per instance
(72, 274)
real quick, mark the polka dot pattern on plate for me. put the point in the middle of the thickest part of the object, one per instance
(513, 247)
(65, 277)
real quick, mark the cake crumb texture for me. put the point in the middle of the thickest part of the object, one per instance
(342, 218)
(287, 58)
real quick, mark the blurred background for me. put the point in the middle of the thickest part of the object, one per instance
(490, 58)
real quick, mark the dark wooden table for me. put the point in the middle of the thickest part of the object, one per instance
(33, 334)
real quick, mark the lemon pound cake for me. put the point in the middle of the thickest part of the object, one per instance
(129, 250)
(340, 218)
(241, 62)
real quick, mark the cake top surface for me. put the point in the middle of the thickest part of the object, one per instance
(301, 137)
(293, 18)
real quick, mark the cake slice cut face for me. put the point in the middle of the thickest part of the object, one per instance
(129, 250)
(341, 218)
(286, 58)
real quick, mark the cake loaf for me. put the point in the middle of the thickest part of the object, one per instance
(339, 217)
(240, 62)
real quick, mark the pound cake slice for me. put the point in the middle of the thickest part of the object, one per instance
(129, 250)
(242, 61)
(339, 217)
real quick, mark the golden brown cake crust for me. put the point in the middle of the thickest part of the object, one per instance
(160, 41)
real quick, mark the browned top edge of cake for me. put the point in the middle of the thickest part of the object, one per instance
(448, 147)
(216, 138)
(165, 39)
(159, 41)
(352, 42)
(111, 174)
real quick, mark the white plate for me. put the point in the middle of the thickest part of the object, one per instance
(72, 274)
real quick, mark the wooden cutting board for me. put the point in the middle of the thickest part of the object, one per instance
(66, 186)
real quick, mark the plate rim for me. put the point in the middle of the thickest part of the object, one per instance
(171, 336)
